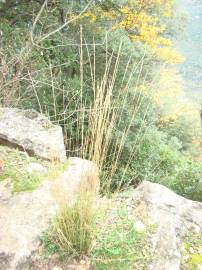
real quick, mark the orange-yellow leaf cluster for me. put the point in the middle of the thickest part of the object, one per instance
(143, 21)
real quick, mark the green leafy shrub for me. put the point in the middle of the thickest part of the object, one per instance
(157, 159)
(183, 128)
(187, 179)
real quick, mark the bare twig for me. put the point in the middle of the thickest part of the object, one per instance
(65, 24)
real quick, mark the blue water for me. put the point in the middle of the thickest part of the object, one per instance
(191, 48)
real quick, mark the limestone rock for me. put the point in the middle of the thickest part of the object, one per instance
(33, 132)
(174, 217)
(25, 215)
(36, 168)
(139, 226)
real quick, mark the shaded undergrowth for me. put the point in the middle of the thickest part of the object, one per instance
(18, 169)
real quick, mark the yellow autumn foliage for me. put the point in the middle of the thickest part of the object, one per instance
(138, 20)
(169, 55)
(90, 15)
(143, 21)
(171, 98)
(170, 86)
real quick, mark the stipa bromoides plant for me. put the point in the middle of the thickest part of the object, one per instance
(91, 117)
(92, 114)
(106, 111)
(73, 228)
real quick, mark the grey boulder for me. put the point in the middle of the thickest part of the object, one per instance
(32, 132)
(174, 217)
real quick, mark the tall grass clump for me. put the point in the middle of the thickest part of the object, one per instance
(106, 108)
(98, 113)
(73, 228)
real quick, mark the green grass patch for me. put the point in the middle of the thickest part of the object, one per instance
(119, 245)
(16, 169)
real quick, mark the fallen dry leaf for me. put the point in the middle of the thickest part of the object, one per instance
(2, 165)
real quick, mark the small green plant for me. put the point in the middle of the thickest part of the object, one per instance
(192, 251)
(49, 247)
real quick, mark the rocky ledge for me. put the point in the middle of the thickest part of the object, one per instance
(174, 218)
(32, 132)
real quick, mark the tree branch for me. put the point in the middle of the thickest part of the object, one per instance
(65, 24)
